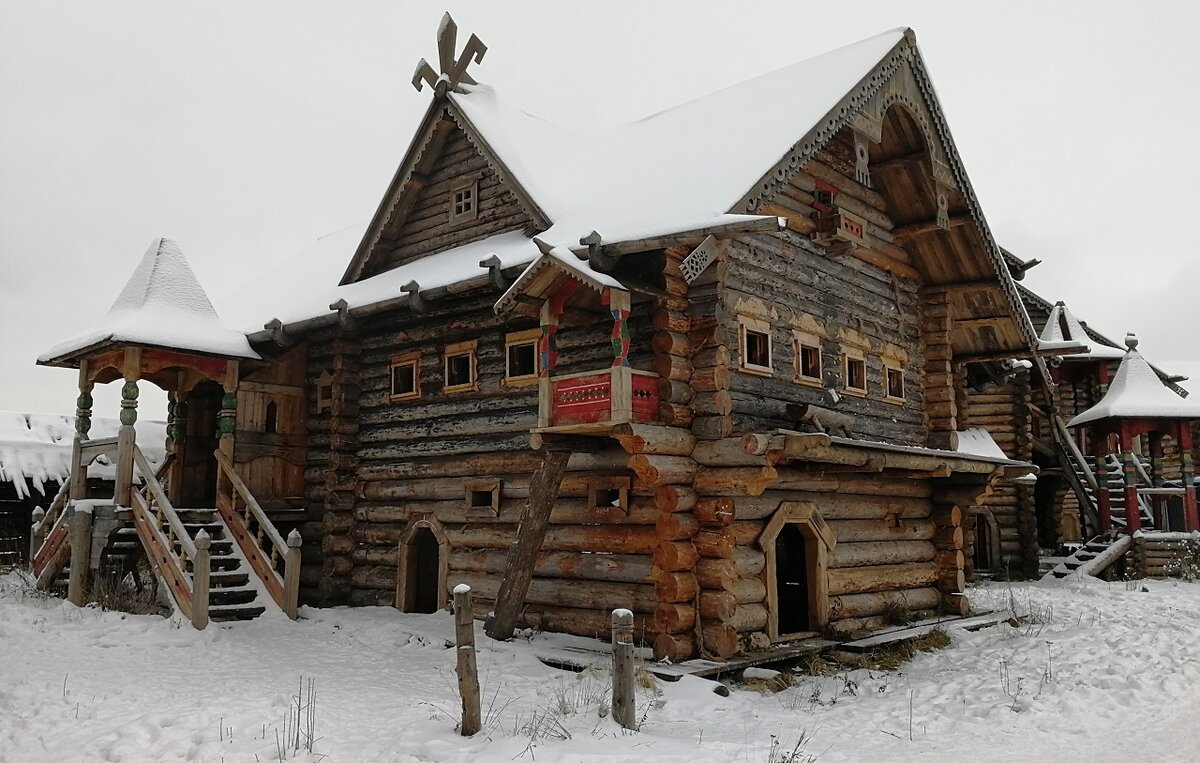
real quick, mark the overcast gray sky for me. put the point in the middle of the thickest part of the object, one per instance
(245, 130)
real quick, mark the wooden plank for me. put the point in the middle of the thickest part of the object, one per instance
(535, 518)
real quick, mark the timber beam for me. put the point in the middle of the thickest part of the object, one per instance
(592, 242)
(928, 226)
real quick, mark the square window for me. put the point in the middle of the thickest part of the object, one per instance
(856, 374)
(459, 367)
(405, 377)
(464, 202)
(521, 361)
(609, 494)
(483, 498)
(895, 383)
(755, 345)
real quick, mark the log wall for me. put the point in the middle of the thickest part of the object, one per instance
(1002, 409)
(786, 280)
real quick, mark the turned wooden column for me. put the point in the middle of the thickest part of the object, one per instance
(127, 435)
(227, 423)
(621, 384)
(83, 424)
(177, 439)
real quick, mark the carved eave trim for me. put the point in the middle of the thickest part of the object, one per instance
(854, 110)
(387, 207)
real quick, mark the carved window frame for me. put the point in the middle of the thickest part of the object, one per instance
(750, 325)
(464, 201)
(520, 338)
(458, 350)
(476, 488)
(408, 359)
(856, 355)
(801, 341)
(819, 541)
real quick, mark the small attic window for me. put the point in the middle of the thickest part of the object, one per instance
(464, 202)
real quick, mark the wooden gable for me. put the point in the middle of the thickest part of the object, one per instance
(887, 158)
(416, 219)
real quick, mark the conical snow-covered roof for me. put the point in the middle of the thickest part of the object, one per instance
(1137, 392)
(1063, 330)
(162, 305)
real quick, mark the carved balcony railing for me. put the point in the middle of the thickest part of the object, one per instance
(613, 396)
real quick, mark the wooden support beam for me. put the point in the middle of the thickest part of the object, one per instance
(927, 226)
(535, 517)
(988, 320)
(770, 224)
(963, 286)
(904, 160)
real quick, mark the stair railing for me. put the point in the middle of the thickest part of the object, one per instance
(261, 543)
(48, 547)
(1074, 463)
(49, 543)
(172, 550)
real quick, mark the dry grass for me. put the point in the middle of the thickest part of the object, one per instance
(894, 655)
(772, 685)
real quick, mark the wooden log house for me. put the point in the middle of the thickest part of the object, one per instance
(711, 366)
(746, 369)
(1022, 527)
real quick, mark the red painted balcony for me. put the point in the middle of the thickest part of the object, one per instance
(614, 396)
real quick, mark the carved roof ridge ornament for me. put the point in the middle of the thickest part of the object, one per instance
(454, 70)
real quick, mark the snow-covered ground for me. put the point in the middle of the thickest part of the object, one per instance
(1110, 672)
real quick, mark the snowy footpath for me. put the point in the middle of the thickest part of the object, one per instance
(1102, 672)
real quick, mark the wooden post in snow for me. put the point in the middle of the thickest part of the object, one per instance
(201, 570)
(468, 674)
(81, 553)
(535, 517)
(622, 669)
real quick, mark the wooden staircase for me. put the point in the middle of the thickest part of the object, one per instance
(231, 595)
(1115, 484)
(222, 563)
(1093, 558)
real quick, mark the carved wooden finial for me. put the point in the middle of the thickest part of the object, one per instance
(1131, 340)
(453, 70)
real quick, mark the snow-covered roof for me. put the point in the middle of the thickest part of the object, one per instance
(679, 169)
(977, 441)
(567, 263)
(35, 448)
(1064, 331)
(162, 305)
(306, 285)
(1137, 391)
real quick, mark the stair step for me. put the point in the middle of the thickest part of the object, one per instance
(227, 579)
(234, 612)
(225, 563)
(231, 596)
